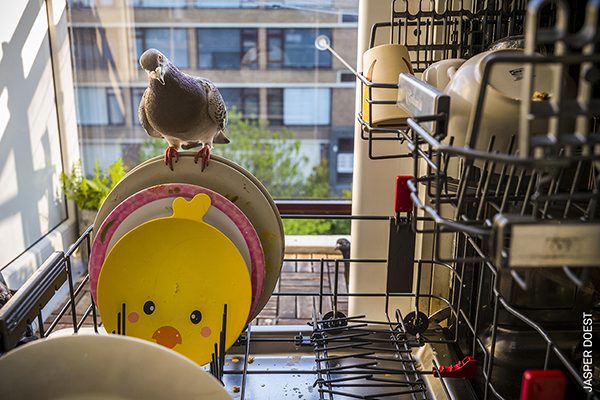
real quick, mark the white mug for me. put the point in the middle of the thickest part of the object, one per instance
(383, 64)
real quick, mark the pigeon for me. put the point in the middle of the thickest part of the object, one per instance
(343, 246)
(187, 111)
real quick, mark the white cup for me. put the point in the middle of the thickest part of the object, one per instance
(440, 73)
(383, 64)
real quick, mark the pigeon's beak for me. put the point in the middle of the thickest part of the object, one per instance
(158, 74)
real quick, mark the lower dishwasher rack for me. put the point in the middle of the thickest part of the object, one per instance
(332, 356)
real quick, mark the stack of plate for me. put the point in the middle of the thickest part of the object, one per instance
(154, 273)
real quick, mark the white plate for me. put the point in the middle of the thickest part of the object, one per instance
(226, 178)
(108, 367)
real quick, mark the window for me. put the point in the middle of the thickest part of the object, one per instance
(99, 106)
(172, 42)
(349, 17)
(136, 97)
(225, 48)
(306, 106)
(89, 49)
(90, 3)
(226, 3)
(245, 100)
(159, 3)
(299, 106)
(275, 106)
(295, 48)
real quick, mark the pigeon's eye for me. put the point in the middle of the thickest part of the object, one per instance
(149, 307)
(159, 57)
(195, 316)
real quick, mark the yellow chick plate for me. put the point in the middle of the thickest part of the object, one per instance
(167, 281)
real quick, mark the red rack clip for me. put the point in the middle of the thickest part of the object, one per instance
(402, 202)
(543, 385)
(466, 368)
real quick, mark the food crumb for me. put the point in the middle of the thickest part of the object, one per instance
(250, 359)
(235, 360)
(236, 389)
(263, 385)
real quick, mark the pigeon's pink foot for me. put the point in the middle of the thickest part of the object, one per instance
(204, 153)
(171, 153)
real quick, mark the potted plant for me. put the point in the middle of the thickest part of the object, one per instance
(89, 193)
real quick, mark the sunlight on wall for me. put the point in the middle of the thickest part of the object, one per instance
(31, 203)
(35, 40)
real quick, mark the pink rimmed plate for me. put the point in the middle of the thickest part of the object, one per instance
(155, 202)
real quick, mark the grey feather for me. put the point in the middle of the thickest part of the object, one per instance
(144, 121)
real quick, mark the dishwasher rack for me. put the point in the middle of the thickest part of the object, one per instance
(352, 357)
(523, 220)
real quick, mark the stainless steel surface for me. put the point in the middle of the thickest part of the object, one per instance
(281, 369)
(548, 244)
(421, 99)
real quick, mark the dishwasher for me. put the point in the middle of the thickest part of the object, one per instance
(513, 232)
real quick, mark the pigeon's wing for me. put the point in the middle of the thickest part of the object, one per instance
(144, 120)
(216, 105)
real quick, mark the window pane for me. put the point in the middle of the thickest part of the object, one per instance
(297, 49)
(232, 98)
(275, 106)
(136, 97)
(306, 106)
(87, 44)
(261, 57)
(225, 3)
(159, 3)
(219, 48)
(170, 42)
(250, 99)
(92, 106)
(115, 110)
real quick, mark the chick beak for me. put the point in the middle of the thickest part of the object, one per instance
(160, 76)
(167, 336)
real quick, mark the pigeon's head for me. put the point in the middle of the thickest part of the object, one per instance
(154, 63)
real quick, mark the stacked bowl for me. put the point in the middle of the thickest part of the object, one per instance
(177, 256)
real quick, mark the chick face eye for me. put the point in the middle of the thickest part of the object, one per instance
(160, 58)
(196, 317)
(149, 307)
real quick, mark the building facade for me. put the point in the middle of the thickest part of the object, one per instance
(260, 54)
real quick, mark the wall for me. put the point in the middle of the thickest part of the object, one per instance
(373, 191)
(37, 135)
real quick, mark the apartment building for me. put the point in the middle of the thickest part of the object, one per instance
(260, 54)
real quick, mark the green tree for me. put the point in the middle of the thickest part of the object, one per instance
(274, 157)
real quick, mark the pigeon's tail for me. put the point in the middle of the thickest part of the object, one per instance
(220, 138)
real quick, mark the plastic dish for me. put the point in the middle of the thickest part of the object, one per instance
(155, 202)
(174, 290)
(224, 177)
